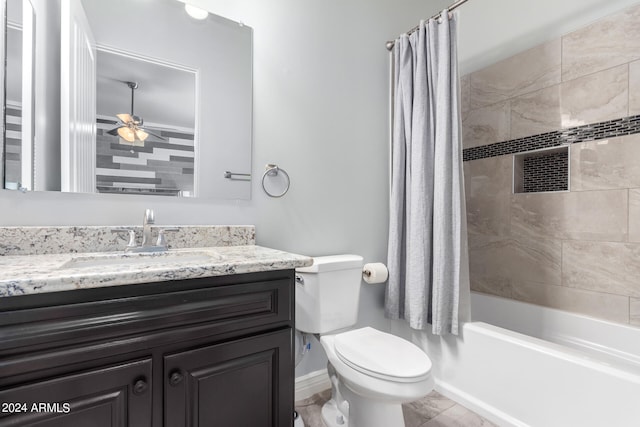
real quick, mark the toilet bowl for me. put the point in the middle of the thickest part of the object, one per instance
(372, 372)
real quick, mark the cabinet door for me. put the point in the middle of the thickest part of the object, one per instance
(247, 382)
(113, 396)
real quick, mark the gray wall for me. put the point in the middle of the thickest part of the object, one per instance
(320, 112)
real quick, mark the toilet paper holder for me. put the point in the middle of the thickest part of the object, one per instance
(375, 273)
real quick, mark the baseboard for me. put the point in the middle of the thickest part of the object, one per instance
(312, 383)
(479, 407)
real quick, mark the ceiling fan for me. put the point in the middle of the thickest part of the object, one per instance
(130, 127)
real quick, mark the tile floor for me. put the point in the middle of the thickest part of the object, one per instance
(434, 410)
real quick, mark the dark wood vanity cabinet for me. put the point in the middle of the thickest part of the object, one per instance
(201, 352)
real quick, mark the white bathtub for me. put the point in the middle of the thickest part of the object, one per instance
(558, 370)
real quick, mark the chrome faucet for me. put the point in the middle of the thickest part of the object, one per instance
(148, 245)
(148, 220)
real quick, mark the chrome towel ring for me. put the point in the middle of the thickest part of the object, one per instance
(274, 170)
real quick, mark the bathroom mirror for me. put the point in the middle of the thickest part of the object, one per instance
(126, 96)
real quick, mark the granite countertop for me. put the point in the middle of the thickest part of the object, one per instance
(31, 274)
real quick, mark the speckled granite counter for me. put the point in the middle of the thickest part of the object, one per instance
(65, 239)
(31, 274)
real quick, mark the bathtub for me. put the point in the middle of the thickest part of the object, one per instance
(519, 364)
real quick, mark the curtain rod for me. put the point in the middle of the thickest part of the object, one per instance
(451, 8)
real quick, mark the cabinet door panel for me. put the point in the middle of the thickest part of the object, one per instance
(246, 383)
(116, 396)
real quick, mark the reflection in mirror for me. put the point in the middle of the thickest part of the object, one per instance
(145, 126)
(19, 95)
(192, 99)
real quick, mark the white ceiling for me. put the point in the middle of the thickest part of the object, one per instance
(165, 95)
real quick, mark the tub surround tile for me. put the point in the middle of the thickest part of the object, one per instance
(595, 98)
(464, 95)
(606, 164)
(576, 250)
(486, 125)
(488, 185)
(497, 263)
(500, 286)
(22, 275)
(634, 215)
(536, 260)
(489, 271)
(602, 267)
(536, 112)
(601, 305)
(608, 42)
(592, 132)
(534, 69)
(634, 88)
(634, 308)
(587, 215)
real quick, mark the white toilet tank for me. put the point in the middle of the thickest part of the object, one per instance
(327, 298)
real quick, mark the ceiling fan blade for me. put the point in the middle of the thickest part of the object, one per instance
(125, 117)
(113, 131)
(154, 134)
(141, 135)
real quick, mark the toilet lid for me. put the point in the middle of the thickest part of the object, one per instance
(382, 355)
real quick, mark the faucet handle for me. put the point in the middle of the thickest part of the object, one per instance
(162, 240)
(132, 235)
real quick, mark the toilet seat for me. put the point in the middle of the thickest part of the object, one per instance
(382, 355)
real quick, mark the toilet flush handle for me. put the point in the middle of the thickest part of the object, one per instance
(299, 280)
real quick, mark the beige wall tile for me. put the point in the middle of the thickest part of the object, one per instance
(596, 97)
(495, 263)
(491, 285)
(634, 215)
(634, 307)
(525, 72)
(605, 164)
(488, 271)
(596, 304)
(535, 260)
(634, 88)
(588, 215)
(602, 266)
(536, 112)
(611, 41)
(488, 195)
(464, 96)
(486, 125)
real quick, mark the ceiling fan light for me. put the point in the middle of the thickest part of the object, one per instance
(127, 134)
(196, 12)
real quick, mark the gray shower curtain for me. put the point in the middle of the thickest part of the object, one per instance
(427, 254)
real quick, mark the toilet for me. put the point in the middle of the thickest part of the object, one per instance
(372, 373)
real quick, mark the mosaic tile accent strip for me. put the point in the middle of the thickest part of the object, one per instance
(546, 172)
(591, 132)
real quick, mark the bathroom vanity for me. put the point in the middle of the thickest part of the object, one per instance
(95, 342)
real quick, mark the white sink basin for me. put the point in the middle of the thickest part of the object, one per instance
(140, 259)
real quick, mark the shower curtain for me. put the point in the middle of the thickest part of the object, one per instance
(427, 252)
